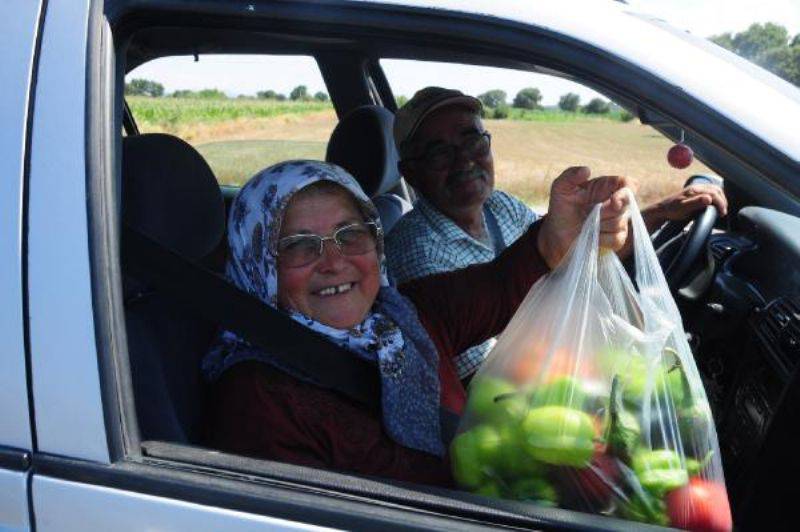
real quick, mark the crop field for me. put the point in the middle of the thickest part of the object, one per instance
(181, 113)
(240, 137)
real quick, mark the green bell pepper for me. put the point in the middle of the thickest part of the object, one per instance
(558, 435)
(659, 471)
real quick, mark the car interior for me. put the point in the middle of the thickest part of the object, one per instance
(736, 280)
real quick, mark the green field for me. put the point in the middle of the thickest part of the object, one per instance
(175, 112)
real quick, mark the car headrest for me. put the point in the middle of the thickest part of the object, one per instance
(169, 194)
(362, 144)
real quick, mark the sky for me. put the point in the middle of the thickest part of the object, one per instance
(248, 74)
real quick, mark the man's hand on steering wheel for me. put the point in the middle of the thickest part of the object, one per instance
(699, 201)
(684, 204)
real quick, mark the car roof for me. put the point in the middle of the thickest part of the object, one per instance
(746, 94)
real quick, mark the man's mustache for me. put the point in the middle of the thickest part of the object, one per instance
(466, 175)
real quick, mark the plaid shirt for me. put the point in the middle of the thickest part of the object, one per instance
(425, 242)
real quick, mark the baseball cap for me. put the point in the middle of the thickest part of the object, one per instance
(424, 102)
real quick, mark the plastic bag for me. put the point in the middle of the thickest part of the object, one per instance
(591, 399)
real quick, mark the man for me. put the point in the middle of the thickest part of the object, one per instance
(460, 219)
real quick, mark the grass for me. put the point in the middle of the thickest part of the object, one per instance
(558, 116)
(529, 151)
(234, 162)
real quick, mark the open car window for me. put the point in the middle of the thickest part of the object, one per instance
(241, 112)
(241, 130)
(542, 124)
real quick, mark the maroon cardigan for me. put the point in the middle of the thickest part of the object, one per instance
(259, 411)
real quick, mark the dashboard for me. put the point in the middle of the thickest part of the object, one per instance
(746, 332)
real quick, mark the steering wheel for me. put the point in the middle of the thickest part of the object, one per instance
(678, 252)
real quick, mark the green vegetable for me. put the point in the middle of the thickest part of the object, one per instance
(660, 481)
(659, 471)
(662, 382)
(640, 505)
(534, 489)
(562, 391)
(694, 424)
(513, 462)
(623, 431)
(695, 467)
(643, 507)
(489, 489)
(558, 435)
(483, 399)
(473, 454)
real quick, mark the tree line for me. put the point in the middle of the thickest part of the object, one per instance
(496, 105)
(768, 45)
(153, 89)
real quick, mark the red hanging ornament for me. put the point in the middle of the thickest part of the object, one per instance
(680, 156)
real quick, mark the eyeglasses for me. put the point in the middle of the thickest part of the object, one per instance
(295, 251)
(442, 157)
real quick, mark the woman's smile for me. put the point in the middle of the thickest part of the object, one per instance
(334, 290)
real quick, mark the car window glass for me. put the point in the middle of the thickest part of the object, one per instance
(536, 134)
(242, 113)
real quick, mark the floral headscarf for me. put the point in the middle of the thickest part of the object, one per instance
(390, 335)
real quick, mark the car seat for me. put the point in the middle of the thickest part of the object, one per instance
(362, 143)
(170, 195)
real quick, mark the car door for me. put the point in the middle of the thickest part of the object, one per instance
(19, 21)
(77, 444)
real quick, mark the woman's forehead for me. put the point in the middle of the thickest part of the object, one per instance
(319, 212)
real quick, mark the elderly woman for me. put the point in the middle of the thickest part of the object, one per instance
(305, 239)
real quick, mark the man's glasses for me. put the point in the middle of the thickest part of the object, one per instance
(442, 157)
(295, 251)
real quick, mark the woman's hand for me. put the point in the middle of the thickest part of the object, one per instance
(572, 197)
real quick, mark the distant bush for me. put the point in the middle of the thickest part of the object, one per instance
(205, 94)
(321, 96)
(401, 101)
(144, 87)
(597, 106)
(500, 112)
(212, 94)
(267, 95)
(493, 98)
(299, 93)
(569, 102)
(528, 98)
(626, 116)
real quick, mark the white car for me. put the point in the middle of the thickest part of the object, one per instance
(99, 393)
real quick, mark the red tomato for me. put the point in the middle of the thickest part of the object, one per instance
(700, 506)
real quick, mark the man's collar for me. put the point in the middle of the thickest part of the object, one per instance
(443, 224)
